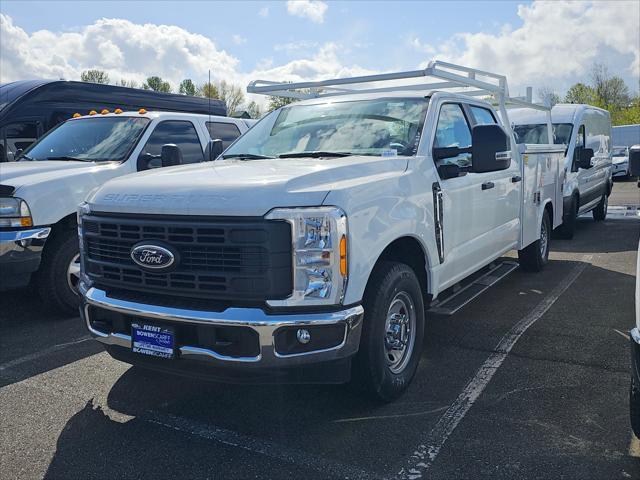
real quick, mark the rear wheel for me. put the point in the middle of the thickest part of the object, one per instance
(600, 212)
(392, 332)
(534, 257)
(59, 273)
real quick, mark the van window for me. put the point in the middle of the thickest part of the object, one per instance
(537, 133)
(17, 136)
(182, 134)
(453, 131)
(227, 132)
(482, 116)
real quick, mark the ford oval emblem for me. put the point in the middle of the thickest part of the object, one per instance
(152, 256)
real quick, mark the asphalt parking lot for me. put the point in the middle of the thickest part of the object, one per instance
(528, 381)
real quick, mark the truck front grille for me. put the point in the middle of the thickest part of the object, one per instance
(223, 259)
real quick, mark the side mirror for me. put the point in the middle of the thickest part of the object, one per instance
(634, 160)
(170, 155)
(584, 158)
(213, 150)
(489, 149)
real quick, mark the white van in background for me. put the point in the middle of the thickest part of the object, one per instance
(586, 131)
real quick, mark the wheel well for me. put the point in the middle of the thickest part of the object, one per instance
(64, 224)
(549, 209)
(408, 250)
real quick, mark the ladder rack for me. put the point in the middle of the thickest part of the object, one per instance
(450, 76)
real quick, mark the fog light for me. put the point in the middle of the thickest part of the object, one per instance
(303, 336)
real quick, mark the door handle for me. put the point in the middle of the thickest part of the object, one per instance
(516, 179)
(487, 185)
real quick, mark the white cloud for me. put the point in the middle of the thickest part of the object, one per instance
(133, 52)
(314, 10)
(556, 45)
(264, 12)
(238, 39)
(416, 44)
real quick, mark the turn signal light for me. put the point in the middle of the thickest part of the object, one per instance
(117, 110)
(343, 256)
(76, 115)
(142, 111)
(26, 222)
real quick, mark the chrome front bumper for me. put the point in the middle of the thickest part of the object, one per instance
(20, 252)
(263, 324)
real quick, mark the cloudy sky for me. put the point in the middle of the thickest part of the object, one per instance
(537, 43)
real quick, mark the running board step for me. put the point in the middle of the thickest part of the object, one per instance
(459, 298)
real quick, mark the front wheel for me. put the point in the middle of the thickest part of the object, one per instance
(59, 274)
(634, 406)
(534, 257)
(392, 332)
(600, 212)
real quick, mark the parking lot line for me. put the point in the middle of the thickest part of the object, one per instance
(42, 353)
(426, 453)
(255, 445)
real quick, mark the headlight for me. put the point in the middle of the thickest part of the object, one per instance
(14, 212)
(319, 237)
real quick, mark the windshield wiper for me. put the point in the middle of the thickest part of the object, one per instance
(68, 158)
(246, 156)
(315, 154)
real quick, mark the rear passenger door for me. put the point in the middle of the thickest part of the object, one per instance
(227, 132)
(182, 133)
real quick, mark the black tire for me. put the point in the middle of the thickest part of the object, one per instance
(568, 227)
(392, 285)
(52, 278)
(600, 212)
(634, 407)
(534, 257)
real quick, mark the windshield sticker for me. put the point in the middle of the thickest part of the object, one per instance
(391, 152)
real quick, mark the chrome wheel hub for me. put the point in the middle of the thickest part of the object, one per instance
(73, 273)
(399, 332)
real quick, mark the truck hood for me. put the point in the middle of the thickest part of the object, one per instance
(239, 188)
(18, 174)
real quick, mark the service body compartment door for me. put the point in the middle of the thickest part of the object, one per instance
(542, 177)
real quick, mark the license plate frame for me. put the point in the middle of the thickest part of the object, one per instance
(153, 340)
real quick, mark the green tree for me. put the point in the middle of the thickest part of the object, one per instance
(254, 110)
(94, 76)
(187, 87)
(157, 85)
(208, 90)
(277, 102)
(548, 96)
(128, 83)
(611, 92)
(580, 93)
(231, 95)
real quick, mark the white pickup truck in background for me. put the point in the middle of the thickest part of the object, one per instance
(40, 193)
(321, 237)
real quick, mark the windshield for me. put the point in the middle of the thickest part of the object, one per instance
(619, 152)
(537, 133)
(89, 140)
(364, 127)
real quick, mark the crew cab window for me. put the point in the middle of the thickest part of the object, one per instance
(17, 136)
(453, 130)
(182, 134)
(482, 116)
(227, 132)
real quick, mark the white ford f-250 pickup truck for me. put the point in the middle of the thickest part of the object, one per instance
(40, 194)
(317, 241)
